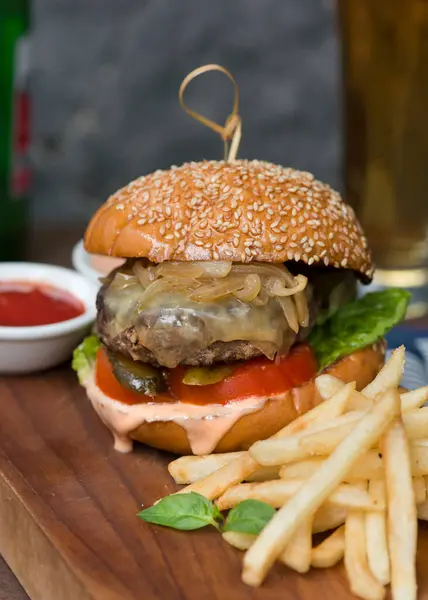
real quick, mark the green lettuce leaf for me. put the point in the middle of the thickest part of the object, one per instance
(84, 357)
(358, 324)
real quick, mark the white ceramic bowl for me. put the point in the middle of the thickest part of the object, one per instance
(86, 263)
(29, 349)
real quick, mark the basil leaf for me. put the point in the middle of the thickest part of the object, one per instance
(182, 511)
(358, 324)
(84, 357)
(249, 516)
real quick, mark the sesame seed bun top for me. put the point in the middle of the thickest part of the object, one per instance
(239, 211)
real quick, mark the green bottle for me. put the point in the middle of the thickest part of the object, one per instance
(15, 172)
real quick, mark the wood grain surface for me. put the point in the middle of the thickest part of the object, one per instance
(68, 503)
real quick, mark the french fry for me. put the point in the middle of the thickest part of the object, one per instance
(420, 443)
(298, 552)
(330, 551)
(419, 490)
(416, 423)
(241, 541)
(313, 493)
(328, 517)
(376, 535)
(361, 580)
(263, 474)
(292, 448)
(414, 399)
(278, 492)
(213, 485)
(327, 554)
(423, 507)
(239, 469)
(188, 469)
(300, 469)
(402, 513)
(419, 458)
(389, 376)
(323, 442)
(369, 466)
(423, 511)
(297, 555)
(327, 385)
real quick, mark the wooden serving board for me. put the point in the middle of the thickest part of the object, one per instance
(68, 504)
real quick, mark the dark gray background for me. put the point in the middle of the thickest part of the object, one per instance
(105, 78)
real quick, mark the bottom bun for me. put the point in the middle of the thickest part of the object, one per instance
(361, 366)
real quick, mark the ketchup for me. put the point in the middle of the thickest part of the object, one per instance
(27, 304)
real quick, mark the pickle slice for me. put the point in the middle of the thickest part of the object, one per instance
(206, 375)
(137, 376)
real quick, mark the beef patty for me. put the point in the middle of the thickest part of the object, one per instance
(127, 341)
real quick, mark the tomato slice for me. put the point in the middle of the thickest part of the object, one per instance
(255, 377)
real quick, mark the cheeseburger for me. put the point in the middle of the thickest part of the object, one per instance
(237, 290)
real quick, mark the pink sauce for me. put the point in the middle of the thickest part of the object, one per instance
(205, 425)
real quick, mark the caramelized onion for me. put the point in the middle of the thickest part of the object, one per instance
(194, 270)
(262, 298)
(265, 270)
(252, 286)
(276, 287)
(162, 285)
(208, 281)
(145, 274)
(290, 313)
(123, 280)
(215, 269)
(217, 289)
(302, 309)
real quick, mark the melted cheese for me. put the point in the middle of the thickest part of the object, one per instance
(205, 425)
(175, 328)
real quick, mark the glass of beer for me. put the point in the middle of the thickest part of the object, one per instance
(385, 75)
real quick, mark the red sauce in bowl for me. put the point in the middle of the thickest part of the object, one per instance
(28, 304)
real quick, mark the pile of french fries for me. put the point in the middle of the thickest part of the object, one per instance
(355, 466)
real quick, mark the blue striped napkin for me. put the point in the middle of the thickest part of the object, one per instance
(416, 343)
